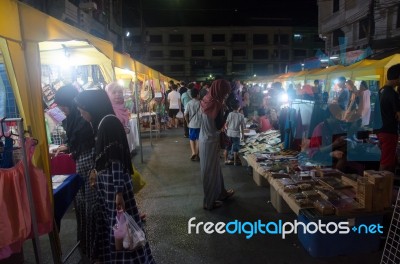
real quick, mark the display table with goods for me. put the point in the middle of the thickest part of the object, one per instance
(328, 196)
(318, 194)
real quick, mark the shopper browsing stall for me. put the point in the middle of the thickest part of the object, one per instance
(111, 179)
(235, 132)
(80, 144)
(116, 94)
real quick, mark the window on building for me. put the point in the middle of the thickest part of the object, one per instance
(238, 67)
(316, 38)
(197, 64)
(218, 37)
(177, 68)
(260, 69)
(282, 39)
(197, 53)
(197, 38)
(159, 68)
(335, 6)
(155, 38)
(299, 53)
(176, 53)
(218, 52)
(260, 54)
(260, 39)
(173, 38)
(239, 53)
(275, 54)
(338, 37)
(136, 39)
(238, 38)
(155, 53)
(285, 54)
(277, 68)
(297, 38)
(363, 28)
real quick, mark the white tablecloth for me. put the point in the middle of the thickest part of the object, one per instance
(133, 136)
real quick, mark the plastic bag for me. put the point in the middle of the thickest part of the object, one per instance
(179, 114)
(120, 230)
(135, 235)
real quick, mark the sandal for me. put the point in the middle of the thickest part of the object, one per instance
(229, 193)
(193, 157)
(216, 204)
(229, 162)
(142, 217)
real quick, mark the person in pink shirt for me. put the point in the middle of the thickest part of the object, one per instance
(264, 124)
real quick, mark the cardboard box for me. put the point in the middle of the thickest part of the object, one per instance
(364, 193)
(350, 179)
(259, 179)
(382, 188)
(277, 201)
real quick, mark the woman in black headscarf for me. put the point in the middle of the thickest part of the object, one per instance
(113, 181)
(80, 144)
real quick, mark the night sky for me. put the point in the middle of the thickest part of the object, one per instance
(221, 12)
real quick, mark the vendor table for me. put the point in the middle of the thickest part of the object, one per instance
(64, 195)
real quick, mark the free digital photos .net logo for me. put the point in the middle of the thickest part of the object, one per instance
(249, 229)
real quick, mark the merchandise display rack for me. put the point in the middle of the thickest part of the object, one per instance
(391, 253)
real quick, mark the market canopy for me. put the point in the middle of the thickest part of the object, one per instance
(124, 66)
(24, 31)
(376, 70)
(322, 74)
(347, 71)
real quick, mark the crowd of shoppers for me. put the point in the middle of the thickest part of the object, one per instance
(96, 139)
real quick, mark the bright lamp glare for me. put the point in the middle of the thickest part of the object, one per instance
(128, 34)
(284, 98)
(121, 82)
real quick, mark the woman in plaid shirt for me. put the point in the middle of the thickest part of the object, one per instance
(112, 179)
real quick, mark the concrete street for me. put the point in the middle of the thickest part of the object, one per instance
(174, 194)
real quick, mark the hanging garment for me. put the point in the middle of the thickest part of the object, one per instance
(40, 191)
(6, 160)
(15, 217)
(298, 136)
(290, 128)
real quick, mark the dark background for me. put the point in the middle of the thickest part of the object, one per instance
(159, 13)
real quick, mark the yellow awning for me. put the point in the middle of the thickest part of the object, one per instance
(322, 74)
(377, 70)
(347, 71)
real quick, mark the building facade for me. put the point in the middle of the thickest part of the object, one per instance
(353, 26)
(101, 18)
(203, 52)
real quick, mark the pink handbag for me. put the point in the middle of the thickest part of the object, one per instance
(62, 164)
